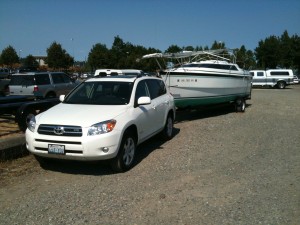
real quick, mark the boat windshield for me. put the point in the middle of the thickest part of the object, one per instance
(211, 66)
(101, 93)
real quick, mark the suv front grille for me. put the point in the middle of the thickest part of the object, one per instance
(60, 130)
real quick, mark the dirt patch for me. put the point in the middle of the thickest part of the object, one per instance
(9, 128)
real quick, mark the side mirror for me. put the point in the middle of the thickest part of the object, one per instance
(144, 100)
(61, 98)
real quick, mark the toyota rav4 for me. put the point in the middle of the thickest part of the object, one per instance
(103, 118)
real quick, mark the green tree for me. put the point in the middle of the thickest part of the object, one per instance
(268, 53)
(173, 49)
(188, 48)
(245, 58)
(295, 52)
(58, 58)
(31, 62)
(285, 51)
(119, 52)
(9, 57)
(98, 57)
(199, 48)
(218, 45)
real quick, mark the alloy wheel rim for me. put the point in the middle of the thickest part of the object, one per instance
(169, 127)
(128, 151)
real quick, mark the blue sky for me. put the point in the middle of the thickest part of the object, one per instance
(31, 26)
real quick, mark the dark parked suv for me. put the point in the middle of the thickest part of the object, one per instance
(4, 73)
(41, 84)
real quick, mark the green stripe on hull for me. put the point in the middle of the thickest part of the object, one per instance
(192, 102)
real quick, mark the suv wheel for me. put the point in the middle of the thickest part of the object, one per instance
(167, 132)
(125, 158)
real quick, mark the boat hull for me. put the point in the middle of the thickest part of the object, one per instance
(191, 90)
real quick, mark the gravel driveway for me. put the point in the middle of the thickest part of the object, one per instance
(221, 167)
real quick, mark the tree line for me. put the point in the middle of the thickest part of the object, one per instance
(273, 52)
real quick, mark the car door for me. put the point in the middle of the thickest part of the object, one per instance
(145, 114)
(159, 100)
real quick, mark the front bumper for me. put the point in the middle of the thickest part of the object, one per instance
(85, 148)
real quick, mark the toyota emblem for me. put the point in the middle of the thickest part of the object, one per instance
(59, 130)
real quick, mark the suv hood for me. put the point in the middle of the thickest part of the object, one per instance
(80, 115)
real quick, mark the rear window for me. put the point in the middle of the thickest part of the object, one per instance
(25, 80)
(280, 73)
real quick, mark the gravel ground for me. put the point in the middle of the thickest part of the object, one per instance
(221, 167)
(9, 128)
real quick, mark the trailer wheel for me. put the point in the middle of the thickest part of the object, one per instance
(240, 105)
(281, 84)
(24, 120)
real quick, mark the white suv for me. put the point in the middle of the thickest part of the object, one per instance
(103, 118)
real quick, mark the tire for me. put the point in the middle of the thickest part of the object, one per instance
(167, 132)
(240, 105)
(125, 158)
(22, 123)
(281, 85)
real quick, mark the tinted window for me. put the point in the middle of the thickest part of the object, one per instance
(141, 90)
(212, 66)
(102, 74)
(131, 73)
(156, 88)
(260, 74)
(67, 79)
(162, 87)
(58, 78)
(280, 73)
(42, 79)
(4, 70)
(26, 80)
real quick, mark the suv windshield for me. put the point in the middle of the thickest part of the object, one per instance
(101, 93)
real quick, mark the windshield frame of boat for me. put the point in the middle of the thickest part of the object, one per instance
(186, 57)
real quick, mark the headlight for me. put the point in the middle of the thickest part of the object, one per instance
(31, 124)
(102, 128)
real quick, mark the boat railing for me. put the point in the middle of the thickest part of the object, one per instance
(184, 57)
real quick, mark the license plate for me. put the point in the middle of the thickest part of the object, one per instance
(56, 149)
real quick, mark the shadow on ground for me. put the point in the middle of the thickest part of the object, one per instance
(143, 150)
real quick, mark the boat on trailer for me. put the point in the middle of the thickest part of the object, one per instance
(199, 78)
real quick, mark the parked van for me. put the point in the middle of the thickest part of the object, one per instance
(273, 77)
(115, 72)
